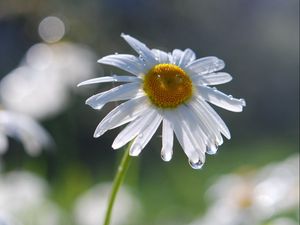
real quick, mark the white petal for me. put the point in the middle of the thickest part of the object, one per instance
(206, 65)
(167, 140)
(129, 63)
(185, 142)
(211, 113)
(122, 92)
(210, 128)
(110, 79)
(176, 55)
(185, 136)
(212, 79)
(220, 99)
(141, 49)
(122, 114)
(133, 129)
(186, 57)
(144, 137)
(212, 148)
(161, 56)
(195, 128)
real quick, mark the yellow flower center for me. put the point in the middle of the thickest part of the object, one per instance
(167, 86)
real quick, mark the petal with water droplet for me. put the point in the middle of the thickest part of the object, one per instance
(196, 165)
(211, 148)
(161, 56)
(141, 49)
(220, 99)
(184, 136)
(167, 140)
(214, 117)
(187, 57)
(113, 78)
(176, 55)
(122, 92)
(129, 63)
(206, 65)
(122, 114)
(212, 79)
(144, 137)
(210, 129)
(133, 129)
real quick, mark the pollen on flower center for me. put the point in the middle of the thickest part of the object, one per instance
(167, 86)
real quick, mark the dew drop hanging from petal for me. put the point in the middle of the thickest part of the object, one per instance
(196, 165)
(166, 155)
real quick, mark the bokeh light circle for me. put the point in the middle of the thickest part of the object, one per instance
(51, 29)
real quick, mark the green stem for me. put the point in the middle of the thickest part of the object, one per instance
(122, 169)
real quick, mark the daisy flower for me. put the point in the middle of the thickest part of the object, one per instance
(168, 88)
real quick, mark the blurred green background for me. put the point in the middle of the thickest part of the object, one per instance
(259, 42)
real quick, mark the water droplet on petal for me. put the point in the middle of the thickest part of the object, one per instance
(114, 77)
(142, 58)
(212, 149)
(135, 149)
(243, 102)
(166, 155)
(196, 165)
(230, 96)
(116, 53)
(219, 141)
(214, 88)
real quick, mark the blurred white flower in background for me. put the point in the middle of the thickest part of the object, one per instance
(254, 198)
(6, 219)
(40, 86)
(90, 208)
(25, 129)
(23, 197)
(282, 221)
